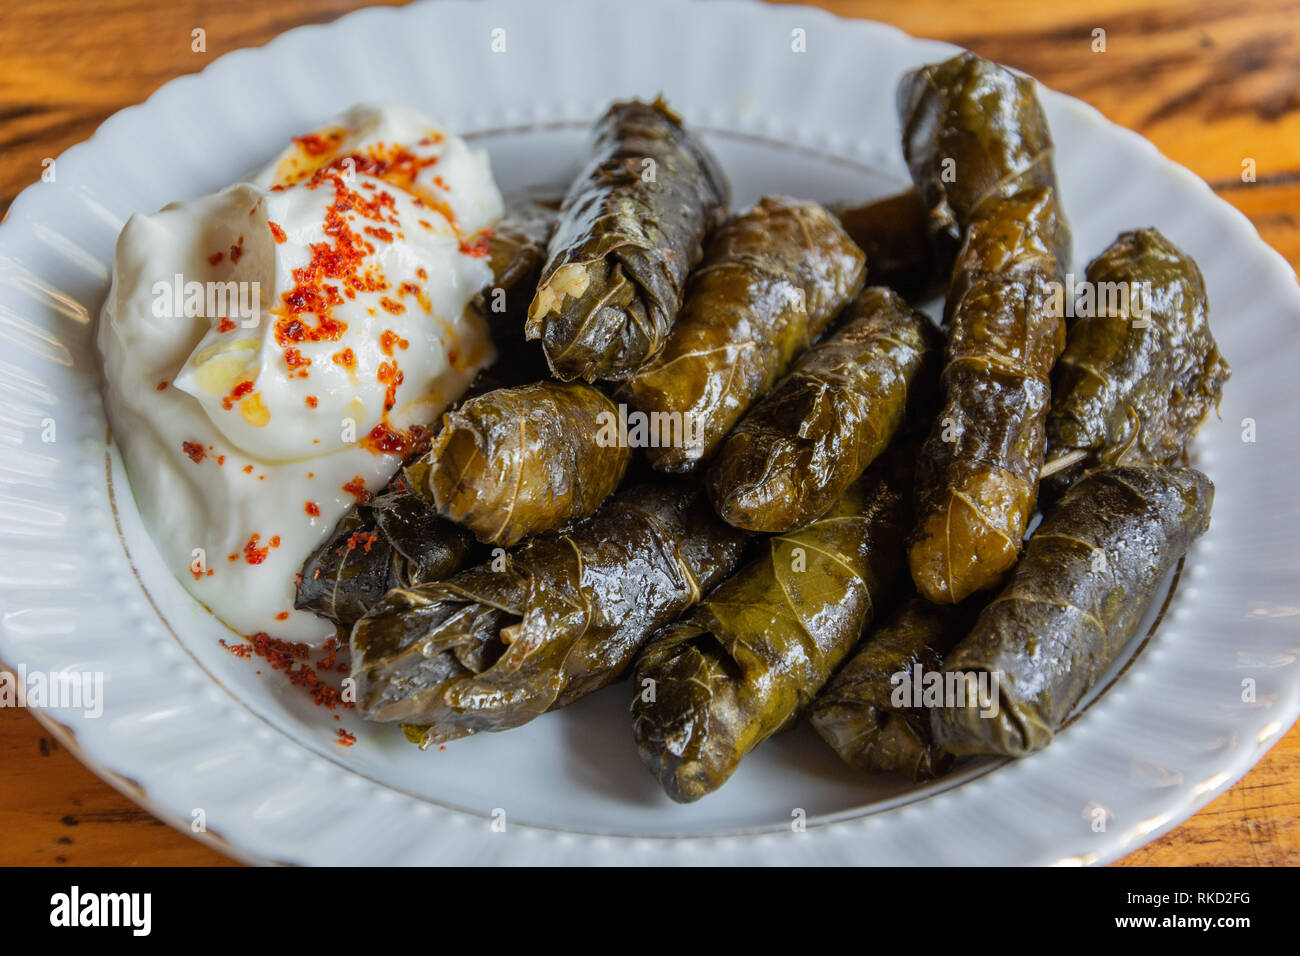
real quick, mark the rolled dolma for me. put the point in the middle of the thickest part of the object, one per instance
(1079, 592)
(771, 280)
(871, 712)
(974, 133)
(396, 540)
(520, 461)
(894, 234)
(630, 230)
(1141, 370)
(544, 624)
(751, 656)
(516, 250)
(977, 475)
(798, 449)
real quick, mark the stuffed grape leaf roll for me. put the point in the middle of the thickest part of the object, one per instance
(800, 447)
(1078, 594)
(771, 281)
(871, 712)
(751, 656)
(975, 133)
(893, 233)
(396, 539)
(977, 475)
(520, 461)
(1141, 370)
(544, 624)
(516, 251)
(630, 230)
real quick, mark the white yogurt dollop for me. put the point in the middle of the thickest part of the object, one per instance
(271, 350)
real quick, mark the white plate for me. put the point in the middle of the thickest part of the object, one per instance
(186, 727)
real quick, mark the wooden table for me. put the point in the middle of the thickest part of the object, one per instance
(1210, 84)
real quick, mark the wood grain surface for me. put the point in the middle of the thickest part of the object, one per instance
(1210, 83)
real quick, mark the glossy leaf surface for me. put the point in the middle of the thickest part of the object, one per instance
(544, 624)
(1078, 594)
(630, 230)
(771, 281)
(800, 447)
(715, 685)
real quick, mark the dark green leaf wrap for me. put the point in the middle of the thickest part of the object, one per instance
(893, 233)
(977, 476)
(1078, 594)
(516, 252)
(630, 230)
(772, 279)
(395, 540)
(544, 624)
(974, 133)
(870, 713)
(1141, 370)
(798, 449)
(520, 461)
(752, 655)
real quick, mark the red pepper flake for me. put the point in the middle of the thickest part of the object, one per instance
(225, 325)
(233, 557)
(296, 362)
(318, 144)
(339, 260)
(282, 616)
(357, 489)
(252, 553)
(221, 459)
(237, 251)
(362, 540)
(425, 223)
(248, 469)
(312, 401)
(292, 658)
(479, 248)
(452, 356)
(313, 509)
(383, 235)
(239, 650)
(346, 358)
(162, 386)
(345, 739)
(194, 450)
(421, 273)
(330, 660)
(390, 162)
(383, 440)
(389, 305)
(276, 232)
(236, 393)
(390, 339)
(215, 258)
(275, 541)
